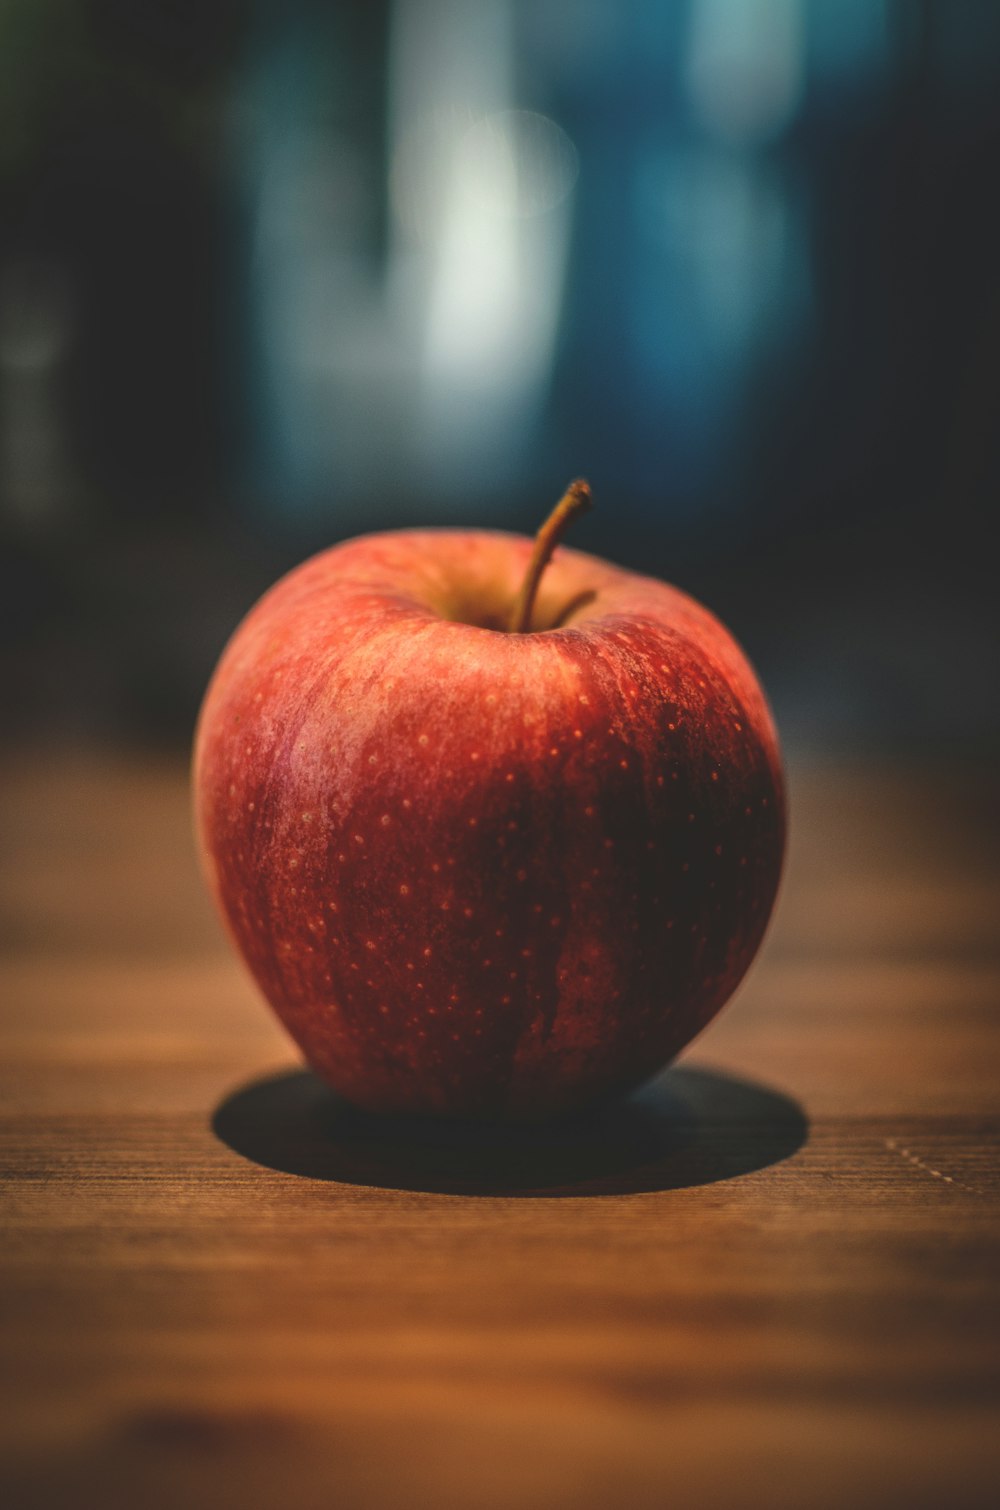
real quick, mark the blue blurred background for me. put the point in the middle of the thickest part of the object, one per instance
(275, 274)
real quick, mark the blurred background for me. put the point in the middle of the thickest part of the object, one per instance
(276, 274)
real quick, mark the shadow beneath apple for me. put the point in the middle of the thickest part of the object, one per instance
(688, 1127)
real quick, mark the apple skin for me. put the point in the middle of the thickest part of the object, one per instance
(478, 873)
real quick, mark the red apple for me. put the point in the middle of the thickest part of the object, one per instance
(478, 871)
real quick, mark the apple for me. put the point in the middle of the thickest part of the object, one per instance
(497, 827)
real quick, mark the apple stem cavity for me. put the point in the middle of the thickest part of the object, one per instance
(576, 500)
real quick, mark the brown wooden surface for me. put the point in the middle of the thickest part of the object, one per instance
(776, 1284)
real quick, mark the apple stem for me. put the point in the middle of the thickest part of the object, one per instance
(576, 500)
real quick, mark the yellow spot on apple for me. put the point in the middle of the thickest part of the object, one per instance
(385, 820)
(404, 890)
(251, 806)
(422, 739)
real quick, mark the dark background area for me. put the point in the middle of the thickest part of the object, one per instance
(272, 275)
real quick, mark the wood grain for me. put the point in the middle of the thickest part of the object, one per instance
(773, 1281)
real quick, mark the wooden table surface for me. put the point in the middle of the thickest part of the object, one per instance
(773, 1280)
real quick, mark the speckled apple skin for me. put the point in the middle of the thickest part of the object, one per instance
(479, 873)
